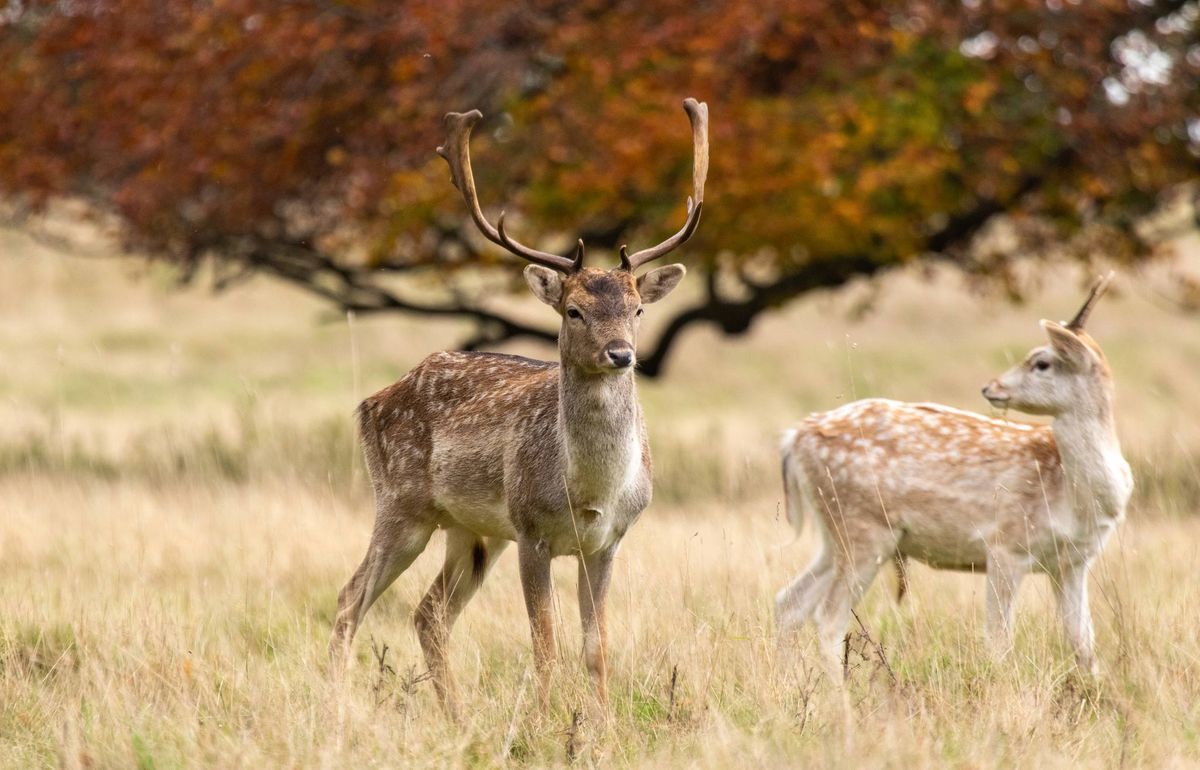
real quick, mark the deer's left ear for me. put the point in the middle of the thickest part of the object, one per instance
(1067, 344)
(659, 282)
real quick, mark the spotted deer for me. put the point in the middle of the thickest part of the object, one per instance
(498, 448)
(956, 490)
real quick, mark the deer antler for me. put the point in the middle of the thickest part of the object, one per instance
(1098, 288)
(698, 115)
(457, 154)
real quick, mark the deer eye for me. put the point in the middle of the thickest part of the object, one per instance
(640, 311)
(573, 313)
(1041, 366)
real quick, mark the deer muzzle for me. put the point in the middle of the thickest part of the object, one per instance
(996, 394)
(617, 354)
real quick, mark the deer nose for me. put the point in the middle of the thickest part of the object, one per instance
(995, 393)
(619, 354)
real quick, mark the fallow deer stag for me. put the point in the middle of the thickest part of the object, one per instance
(957, 490)
(497, 448)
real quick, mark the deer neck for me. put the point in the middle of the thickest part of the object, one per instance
(1097, 476)
(599, 421)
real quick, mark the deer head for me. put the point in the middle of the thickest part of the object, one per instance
(1070, 374)
(600, 309)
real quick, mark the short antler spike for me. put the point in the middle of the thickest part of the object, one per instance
(457, 153)
(1098, 288)
(698, 115)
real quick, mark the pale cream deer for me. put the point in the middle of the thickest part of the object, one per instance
(497, 448)
(956, 490)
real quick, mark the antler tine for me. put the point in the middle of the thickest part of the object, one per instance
(458, 155)
(698, 115)
(1098, 288)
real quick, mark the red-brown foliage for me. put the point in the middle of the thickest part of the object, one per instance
(297, 138)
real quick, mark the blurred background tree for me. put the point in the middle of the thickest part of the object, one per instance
(296, 138)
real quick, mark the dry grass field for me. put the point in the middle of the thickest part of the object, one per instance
(181, 498)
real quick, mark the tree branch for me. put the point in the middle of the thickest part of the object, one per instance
(353, 289)
(737, 317)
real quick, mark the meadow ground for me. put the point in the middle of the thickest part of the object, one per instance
(181, 499)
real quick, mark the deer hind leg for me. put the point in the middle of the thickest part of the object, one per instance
(468, 559)
(855, 566)
(396, 542)
(794, 604)
(901, 563)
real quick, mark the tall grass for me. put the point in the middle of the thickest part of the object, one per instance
(185, 624)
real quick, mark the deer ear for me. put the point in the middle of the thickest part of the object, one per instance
(545, 283)
(659, 282)
(1067, 344)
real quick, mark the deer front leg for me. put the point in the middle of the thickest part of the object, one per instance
(1004, 575)
(595, 571)
(1071, 588)
(534, 559)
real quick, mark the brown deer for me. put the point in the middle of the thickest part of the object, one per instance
(497, 448)
(957, 490)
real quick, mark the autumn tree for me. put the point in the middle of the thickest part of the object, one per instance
(296, 138)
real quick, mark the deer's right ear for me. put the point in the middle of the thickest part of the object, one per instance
(545, 283)
(1067, 344)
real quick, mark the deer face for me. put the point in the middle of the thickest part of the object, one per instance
(601, 311)
(1069, 374)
